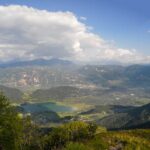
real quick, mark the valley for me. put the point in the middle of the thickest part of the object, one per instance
(56, 92)
(74, 75)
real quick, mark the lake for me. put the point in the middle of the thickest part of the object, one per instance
(46, 106)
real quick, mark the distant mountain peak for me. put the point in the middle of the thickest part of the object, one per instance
(36, 62)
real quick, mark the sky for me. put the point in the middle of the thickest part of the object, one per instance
(80, 30)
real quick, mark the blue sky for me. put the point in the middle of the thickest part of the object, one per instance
(125, 23)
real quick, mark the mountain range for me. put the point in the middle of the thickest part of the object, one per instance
(36, 62)
(43, 74)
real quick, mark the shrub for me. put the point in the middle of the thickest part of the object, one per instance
(73, 131)
(76, 146)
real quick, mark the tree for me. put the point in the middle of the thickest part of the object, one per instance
(10, 126)
(16, 133)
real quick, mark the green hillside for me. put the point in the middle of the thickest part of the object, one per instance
(13, 94)
(59, 93)
(132, 118)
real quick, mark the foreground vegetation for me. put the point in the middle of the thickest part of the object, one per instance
(20, 133)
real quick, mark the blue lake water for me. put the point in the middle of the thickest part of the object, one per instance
(47, 106)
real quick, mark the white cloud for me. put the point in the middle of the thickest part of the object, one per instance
(83, 18)
(29, 33)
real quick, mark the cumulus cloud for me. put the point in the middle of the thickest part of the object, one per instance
(28, 33)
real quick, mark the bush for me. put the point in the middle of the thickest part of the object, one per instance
(76, 146)
(73, 131)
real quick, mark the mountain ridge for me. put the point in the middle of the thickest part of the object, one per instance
(132, 118)
(36, 62)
